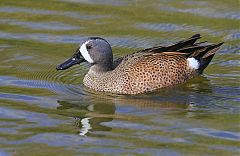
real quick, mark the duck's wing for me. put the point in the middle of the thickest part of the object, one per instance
(174, 47)
(190, 42)
(189, 48)
(201, 51)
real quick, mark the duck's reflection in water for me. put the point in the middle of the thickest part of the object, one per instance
(95, 109)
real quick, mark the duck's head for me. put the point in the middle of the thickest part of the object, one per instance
(95, 50)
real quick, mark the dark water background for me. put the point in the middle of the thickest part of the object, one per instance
(48, 112)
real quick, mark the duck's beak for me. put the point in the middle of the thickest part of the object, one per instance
(77, 58)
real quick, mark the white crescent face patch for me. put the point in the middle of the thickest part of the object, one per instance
(85, 53)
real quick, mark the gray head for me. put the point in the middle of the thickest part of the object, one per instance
(94, 50)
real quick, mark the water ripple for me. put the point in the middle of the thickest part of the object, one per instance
(169, 27)
(206, 12)
(128, 42)
(51, 12)
(101, 2)
(51, 86)
(39, 119)
(232, 36)
(3, 153)
(40, 25)
(216, 133)
(198, 3)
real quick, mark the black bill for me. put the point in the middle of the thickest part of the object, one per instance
(77, 58)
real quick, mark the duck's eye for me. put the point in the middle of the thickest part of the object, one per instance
(88, 46)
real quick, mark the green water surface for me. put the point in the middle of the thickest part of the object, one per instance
(44, 112)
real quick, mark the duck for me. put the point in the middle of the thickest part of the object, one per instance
(143, 71)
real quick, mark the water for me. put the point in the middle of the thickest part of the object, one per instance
(49, 112)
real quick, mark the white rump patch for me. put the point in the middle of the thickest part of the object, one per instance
(85, 53)
(193, 63)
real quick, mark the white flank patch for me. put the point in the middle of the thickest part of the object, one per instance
(85, 53)
(193, 63)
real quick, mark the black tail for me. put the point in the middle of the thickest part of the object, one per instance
(206, 56)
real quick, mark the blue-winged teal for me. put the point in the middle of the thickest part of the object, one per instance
(143, 71)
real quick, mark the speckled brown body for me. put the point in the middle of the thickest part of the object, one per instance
(141, 73)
